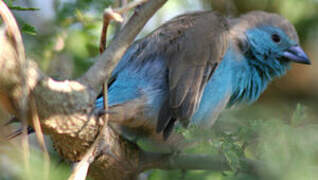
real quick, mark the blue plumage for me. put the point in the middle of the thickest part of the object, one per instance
(260, 65)
(260, 47)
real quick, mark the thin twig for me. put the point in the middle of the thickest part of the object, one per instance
(109, 15)
(40, 138)
(116, 15)
(26, 150)
(80, 169)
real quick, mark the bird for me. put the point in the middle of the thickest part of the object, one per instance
(196, 65)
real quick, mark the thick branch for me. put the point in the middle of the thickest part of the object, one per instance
(182, 161)
(216, 163)
(101, 70)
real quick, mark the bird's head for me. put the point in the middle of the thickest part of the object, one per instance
(269, 40)
(268, 43)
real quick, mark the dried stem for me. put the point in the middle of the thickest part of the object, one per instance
(40, 138)
(26, 150)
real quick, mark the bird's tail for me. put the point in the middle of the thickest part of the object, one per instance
(17, 132)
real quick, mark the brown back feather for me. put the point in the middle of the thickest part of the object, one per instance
(192, 46)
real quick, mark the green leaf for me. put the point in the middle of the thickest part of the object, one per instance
(8, 3)
(27, 28)
(19, 8)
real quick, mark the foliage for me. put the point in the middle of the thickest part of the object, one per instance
(288, 147)
(25, 27)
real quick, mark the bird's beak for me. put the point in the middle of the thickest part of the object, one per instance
(296, 54)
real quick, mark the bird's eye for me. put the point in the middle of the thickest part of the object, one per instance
(276, 38)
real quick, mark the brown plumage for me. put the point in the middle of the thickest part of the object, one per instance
(189, 42)
(253, 19)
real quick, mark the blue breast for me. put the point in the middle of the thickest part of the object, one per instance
(238, 79)
(216, 93)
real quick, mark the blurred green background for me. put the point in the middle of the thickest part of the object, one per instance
(279, 130)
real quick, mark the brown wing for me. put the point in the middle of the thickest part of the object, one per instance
(194, 44)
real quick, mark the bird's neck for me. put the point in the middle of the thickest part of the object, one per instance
(251, 74)
(237, 79)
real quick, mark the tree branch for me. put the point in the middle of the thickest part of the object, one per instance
(184, 161)
(216, 163)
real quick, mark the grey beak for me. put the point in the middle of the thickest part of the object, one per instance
(296, 54)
